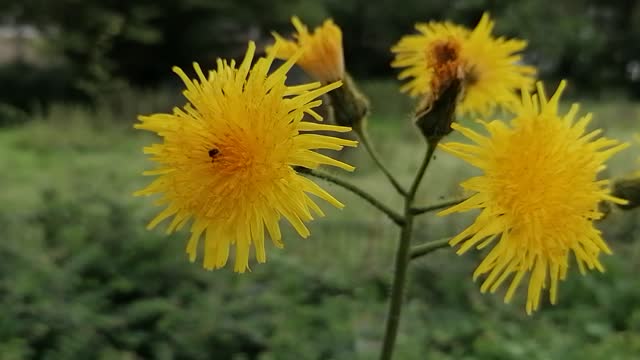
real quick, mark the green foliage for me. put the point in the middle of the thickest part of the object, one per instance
(106, 45)
(105, 42)
(81, 278)
(585, 41)
(26, 86)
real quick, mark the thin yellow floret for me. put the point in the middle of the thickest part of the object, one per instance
(322, 55)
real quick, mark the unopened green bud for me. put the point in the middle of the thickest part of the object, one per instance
(628, 189)
(434, 117)
(350, 106)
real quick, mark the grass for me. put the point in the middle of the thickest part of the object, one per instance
(323, 297)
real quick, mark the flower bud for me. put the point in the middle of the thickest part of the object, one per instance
(628, 189)
(350, 106)
(436, 111)
(434, 118)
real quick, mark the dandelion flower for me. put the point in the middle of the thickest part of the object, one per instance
(492, 66)
(227, 158)
(538, 196)
(322, 58)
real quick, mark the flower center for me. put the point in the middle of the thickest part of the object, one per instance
(247, 160)
(445, 51)
(540, 178)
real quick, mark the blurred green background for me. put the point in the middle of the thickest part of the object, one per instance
(81, 278)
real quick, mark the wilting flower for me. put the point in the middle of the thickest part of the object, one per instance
(227, 158)
(491, 67)
(436, 111)
(322, 58)
(538, 195)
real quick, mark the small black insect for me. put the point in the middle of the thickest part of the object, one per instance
(213, 153)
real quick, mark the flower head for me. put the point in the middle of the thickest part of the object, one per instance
(538, 195)
(226, 159)
(322, 58)
(490, 66)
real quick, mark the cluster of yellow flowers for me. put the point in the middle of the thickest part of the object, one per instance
(227, 161)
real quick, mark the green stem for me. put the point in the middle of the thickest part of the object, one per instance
(402, 261)
(393, 215)
(364, 139)
(431, 148)
(423, 249)
(437, 206)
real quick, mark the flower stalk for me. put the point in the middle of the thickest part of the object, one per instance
(392, 214)
(437, 206)
(363, 136)
(402, 260)
(428, 247)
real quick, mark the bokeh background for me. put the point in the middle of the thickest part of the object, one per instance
(81, 278)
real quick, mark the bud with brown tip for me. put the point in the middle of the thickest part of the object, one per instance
(437, 110)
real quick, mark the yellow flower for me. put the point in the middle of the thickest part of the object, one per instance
(226, 160)
(322, 58)
(491, 66)
(538, 195)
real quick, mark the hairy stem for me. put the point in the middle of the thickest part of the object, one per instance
(364, 139)
(436, 206)
(393, 215)
(402, 261)
(428, 247)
